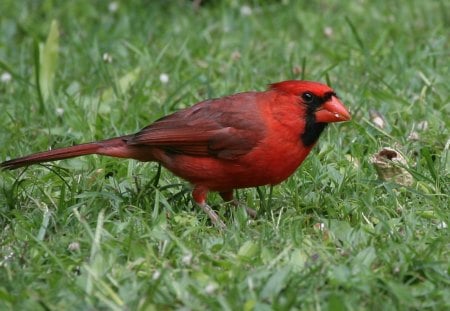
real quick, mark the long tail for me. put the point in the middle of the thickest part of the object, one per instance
(115, 147)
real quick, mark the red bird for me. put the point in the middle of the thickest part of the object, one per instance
(238, 141)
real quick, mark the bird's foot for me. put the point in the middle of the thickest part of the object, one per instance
(251, 212)
(228, 197)
(215, 219)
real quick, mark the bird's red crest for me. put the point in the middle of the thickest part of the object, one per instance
(297, 87)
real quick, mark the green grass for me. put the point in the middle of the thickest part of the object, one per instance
(96, 233)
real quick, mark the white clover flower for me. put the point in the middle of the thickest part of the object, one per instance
(210, 288)
(74, 247)
(442, 225)
(113, 6)
(422, 125)
(5, 77)
(187, 259)
(246, 10)
(164, 78)
(156, 275)
(107, 58)
(328, 31)
(59, 111)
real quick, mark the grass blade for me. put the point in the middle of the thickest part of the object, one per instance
(48, 60)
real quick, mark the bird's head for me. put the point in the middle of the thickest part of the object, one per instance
(321, 106)
(319, 99)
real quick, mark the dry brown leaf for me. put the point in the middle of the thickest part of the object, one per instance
(390, 166)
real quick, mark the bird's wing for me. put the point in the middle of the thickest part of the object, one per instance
(225, 128)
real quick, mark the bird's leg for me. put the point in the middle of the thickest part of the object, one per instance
(199, 194)
(228, 196)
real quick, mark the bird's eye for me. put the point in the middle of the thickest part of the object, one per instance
(308, 98)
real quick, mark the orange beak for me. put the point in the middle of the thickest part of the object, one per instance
(332, 111)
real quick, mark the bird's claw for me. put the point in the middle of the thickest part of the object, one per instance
(251, 212)
(215, 219)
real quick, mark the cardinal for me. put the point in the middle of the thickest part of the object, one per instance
(238, 141)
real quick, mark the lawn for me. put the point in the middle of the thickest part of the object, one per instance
(98, 233)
